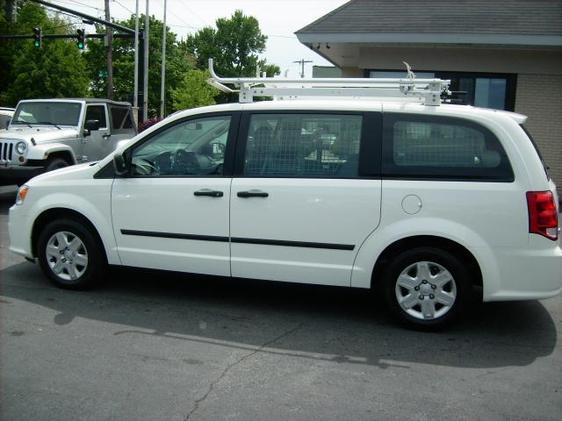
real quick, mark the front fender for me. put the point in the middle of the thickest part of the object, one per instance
(95, 208)
(42, 151)
(379, 240)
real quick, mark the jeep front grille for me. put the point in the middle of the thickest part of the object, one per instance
(6, 151)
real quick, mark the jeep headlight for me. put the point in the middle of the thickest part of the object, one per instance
(21, 147)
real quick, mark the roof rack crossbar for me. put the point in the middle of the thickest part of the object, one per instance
(429, 91)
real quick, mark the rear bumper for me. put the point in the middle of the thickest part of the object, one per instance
(526, 275)
(18, 174)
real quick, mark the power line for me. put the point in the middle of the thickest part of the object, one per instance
(194, 14)
(81, 4)
(124, 7)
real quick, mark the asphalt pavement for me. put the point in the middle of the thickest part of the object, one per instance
(161, 346)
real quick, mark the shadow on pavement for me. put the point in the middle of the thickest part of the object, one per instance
(320, 323)
(7, 198)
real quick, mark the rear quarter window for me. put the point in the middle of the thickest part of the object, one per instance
(532, 140)
(447, 148)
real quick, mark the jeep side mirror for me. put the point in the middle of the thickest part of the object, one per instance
(120, 164)
(91, 125)
(8, 122)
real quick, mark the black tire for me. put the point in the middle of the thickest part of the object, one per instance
(429, 293)
(55, 164)
(75, 274)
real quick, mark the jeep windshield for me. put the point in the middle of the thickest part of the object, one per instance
(54, 113)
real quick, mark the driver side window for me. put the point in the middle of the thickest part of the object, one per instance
(189, 148)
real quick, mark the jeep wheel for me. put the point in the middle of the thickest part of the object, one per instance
(55, 164)
(426, 287)
(70, 254)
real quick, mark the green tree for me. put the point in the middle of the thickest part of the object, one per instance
(178, 62)
(57, 69)
(193, 91)
(234, 45)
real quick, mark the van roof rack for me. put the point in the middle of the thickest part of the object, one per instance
(429, 91)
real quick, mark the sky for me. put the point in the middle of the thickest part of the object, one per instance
(278, 19)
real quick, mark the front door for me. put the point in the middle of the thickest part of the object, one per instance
(172, 212)
(98, 143)
(299, 209)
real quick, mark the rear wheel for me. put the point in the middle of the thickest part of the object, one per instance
(426, 287)
(70, 255)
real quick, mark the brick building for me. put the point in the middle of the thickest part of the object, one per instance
(504, 54)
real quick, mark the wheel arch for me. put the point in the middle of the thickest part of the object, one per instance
(446, 244)
(53, 214)
(43, 152)
(68, 156)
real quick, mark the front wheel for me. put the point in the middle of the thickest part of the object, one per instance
(70, 255)
(426, 287)
(55, 164)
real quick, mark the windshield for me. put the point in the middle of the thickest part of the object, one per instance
(53, 113)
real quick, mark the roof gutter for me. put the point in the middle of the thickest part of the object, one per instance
(434, 38)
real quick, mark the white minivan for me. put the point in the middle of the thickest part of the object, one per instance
(421, 203)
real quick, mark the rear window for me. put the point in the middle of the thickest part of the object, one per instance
(546, 167)
(120, 117)
(418, 146)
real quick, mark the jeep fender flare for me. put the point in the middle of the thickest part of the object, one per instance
(43, 152)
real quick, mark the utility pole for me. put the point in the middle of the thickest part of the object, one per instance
(302, 61)
(163, 82)
(109, 35)
(136, 88)
(15, 11)
(145, 82)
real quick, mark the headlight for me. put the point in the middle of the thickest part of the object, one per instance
(22, 193)
(21, 147)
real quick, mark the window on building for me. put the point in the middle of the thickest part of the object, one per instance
(486, 90)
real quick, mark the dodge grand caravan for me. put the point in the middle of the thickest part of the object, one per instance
(420, 203)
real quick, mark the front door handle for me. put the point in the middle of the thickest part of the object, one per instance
(252, 193)
(208, 192)
(106, 136)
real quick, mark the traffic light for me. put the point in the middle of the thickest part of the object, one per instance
(37, 37)
(81, 43)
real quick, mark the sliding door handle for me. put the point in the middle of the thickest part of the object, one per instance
(208, 192)
(252, 193)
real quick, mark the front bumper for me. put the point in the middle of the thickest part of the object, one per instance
(19, 230)
(18, 174)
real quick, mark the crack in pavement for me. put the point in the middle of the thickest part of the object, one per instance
(199, 401)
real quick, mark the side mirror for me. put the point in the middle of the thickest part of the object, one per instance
(120, 164)
(8, 122)
(91, 125)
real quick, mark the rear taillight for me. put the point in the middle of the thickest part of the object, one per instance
(543, 215)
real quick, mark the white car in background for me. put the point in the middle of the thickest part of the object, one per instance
(6, 115)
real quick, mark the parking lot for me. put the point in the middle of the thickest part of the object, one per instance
(153, 345)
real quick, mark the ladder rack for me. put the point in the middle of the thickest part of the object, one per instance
(429, 91)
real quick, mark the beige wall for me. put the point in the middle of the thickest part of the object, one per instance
(539, 97)
(460, 59)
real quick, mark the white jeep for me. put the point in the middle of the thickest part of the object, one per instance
(423, 203)
(46, 134)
